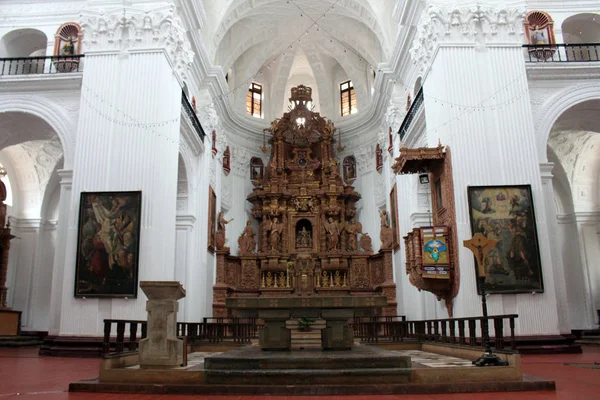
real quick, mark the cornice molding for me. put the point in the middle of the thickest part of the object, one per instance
(41, 82)
(470, 25)
(128, 29)
(565, 71)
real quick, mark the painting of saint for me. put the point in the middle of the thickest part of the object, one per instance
(505, 214)
(108, 244)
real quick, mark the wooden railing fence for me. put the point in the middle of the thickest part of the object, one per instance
(455, 331)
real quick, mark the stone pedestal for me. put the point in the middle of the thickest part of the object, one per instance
(275, 335)
(337, 334)
(162, 349)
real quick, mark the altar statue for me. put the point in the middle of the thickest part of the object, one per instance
(333, 233)
(353, 228)
(275, 229)
(222, 222)
(246, 241)
(386, 234)
(304, 238)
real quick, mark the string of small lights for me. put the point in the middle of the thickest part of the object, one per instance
(481, 106)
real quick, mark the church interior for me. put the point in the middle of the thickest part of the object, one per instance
(392, 187)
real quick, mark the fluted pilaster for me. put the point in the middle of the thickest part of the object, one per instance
(128, 140)
(477, 102)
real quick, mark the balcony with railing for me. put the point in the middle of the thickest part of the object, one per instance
(190, 114)
(411, 114)
(41, 65)
(562, 53)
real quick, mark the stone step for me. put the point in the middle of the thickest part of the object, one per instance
(302, 376)
(360, 357)
(19, 341)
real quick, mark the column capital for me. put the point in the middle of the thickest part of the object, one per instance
(468, 23)
(587, 217)
(66, 177)
(133, 29)
(546, 171)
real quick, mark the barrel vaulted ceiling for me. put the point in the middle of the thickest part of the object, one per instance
(282, 43)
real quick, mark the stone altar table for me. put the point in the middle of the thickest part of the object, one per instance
(162, 349)
(336, 311)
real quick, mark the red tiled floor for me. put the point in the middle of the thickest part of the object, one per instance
(24, 375)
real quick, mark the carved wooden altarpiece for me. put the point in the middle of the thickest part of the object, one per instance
(308, 241)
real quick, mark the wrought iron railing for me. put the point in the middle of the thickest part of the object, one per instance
(581, 52)
(455, 331)
(41, 65)
(411, 114)
(191, 114)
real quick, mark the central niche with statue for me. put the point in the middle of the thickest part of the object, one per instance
(309, 242)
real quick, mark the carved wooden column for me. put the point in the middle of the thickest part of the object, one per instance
(388, 287)
(220, 288)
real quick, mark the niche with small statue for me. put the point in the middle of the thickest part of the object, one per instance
(308, 241)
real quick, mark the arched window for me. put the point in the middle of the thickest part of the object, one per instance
(254, 100)
(581, 28)
(23, 43)
(347, 98)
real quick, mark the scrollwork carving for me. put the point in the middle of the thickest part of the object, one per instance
(467, 25)
(128, 28)
(360, 274)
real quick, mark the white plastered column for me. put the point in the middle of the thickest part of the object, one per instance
(588, 224)
(562, 303)
(477, 101)
(22, 266)
(67, 218)
(127, 140)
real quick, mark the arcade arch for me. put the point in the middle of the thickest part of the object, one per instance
(32, 152)
(581, 28)
(23, 43)
(573, 146)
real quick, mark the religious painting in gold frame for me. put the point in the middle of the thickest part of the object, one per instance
(505, 213)
(212, 218)
(394, 217)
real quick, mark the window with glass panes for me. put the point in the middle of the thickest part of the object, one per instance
(254, 100)
(347, 98)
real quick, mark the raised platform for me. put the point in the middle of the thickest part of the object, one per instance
(362, 370)
(363, 364)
